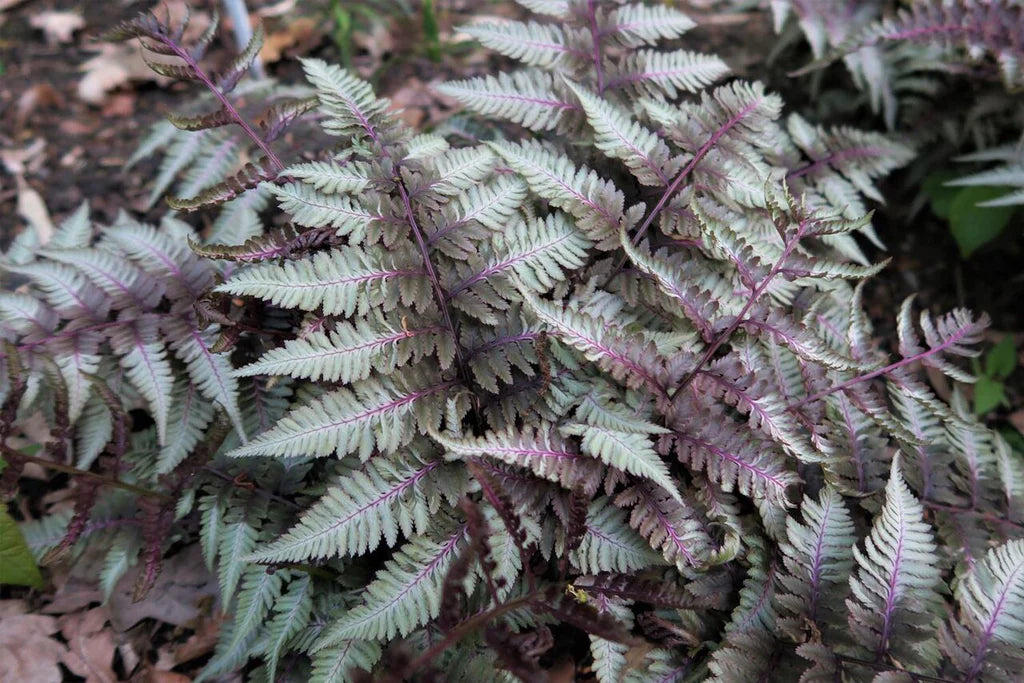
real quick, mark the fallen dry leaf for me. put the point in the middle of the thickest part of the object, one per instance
(176, 598)
(33, 209)
(115, 65)
(58, 27)
(167, 677)
(27, 653)
(24, 160)
(120, 106)
(276, 43)
(39, 95)
(198, 644)
(10, 608)
(90, 645)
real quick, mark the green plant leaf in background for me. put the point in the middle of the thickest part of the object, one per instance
(974, 226)
(431, 31)
(940, 195)
(1000, 362)
(17, 567)
(988, 394)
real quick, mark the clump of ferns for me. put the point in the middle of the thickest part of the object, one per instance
(106, 334)
(908, 56)
(640, 409)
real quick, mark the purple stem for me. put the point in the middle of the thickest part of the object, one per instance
(230, 108)
(882, 371)
(755, 295)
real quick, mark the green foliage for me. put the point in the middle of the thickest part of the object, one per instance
(973, 220)
(17, 566)
(974, 225)
(998, 364)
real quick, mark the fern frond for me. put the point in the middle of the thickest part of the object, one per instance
(734, 459)
(951, 335)
(540, 450)
(74, 232)
(339, 282)
(359, 510)
(626, 358)
(260, 590)
(209, 371)
(291, 613)
(536, 253)
(818, 557)
(146, 365)
(664, 74)
(524, 97)
(490, 207)
(404, 595)
(189, 417)
(374, 413)
(746, 651)
(893, 605)
(609, 544)
(987, 642)
(350, 106)
(640, 24)
(311, 208)
(331, 177)
(674, 528)
(237, 540)
(125, 285)
(858, 157)
(346, 354)
(457, 170)
(619, 137)
(629, 452)
(595, 203)
(529, 42)
(337, 664)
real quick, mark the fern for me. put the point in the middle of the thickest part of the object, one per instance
(613, 374)
(894, 597)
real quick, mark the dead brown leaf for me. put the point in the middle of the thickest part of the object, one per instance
(33, 209)
(115, 65)
(24, 160)
(277, 43)
(167, 677)
(121, 105)
(198, 644)
(58, 27)
(39, 95)
(177, 597)
(10, 608)
(27, 652)
(90, 645)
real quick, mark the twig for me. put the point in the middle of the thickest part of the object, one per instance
(85, 474)
(877, 666)
(210, 469)
(989, 517)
